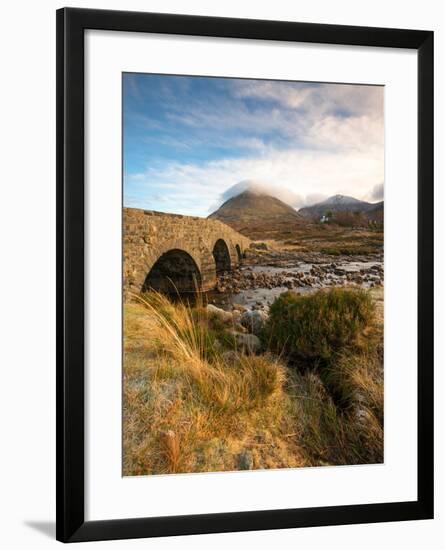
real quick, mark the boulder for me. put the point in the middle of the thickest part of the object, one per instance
(363, 416)
(254, 320)
(225, 316)
(248, 342)
(245, 460)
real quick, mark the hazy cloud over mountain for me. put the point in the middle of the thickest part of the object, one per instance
(282, 193)
(286, 195)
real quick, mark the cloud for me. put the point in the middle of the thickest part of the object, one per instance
(376, 194)
(320, 99)
(282, 193)
(363, 133)
(318, 116)
(292, 175)
(314, 198)
(205, 139)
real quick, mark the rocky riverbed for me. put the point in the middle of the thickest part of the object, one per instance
(265, 274)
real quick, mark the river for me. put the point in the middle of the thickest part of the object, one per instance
(256, 286)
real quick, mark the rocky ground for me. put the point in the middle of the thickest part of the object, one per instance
(264, 268)
(243, 296)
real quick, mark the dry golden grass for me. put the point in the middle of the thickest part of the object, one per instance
(192, 406)
(335, 240)
(333, 435)
(188, 410)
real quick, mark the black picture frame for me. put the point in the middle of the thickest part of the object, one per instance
(71, 24)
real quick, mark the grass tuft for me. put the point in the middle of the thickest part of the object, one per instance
(190, 409)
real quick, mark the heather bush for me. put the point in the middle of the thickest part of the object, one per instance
(313, 328)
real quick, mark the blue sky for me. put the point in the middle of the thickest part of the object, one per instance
(189, 140)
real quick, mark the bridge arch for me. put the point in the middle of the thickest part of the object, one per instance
(221, 256)
(175, 271)
(148, 235)
(238, 252)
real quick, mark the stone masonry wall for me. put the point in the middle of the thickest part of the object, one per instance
(148, 234)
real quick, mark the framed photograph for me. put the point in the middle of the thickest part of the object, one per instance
(245, 275)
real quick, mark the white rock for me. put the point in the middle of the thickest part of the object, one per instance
(225, 316)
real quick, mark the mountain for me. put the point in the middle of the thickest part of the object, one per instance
(376, 212)
(336, 203)
(258, 215)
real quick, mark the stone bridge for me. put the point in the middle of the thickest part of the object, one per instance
(174, 253)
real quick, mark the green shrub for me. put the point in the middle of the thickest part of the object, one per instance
(315, 327)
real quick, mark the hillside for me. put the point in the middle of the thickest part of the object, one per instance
(376, 213)
(336, 203)
(258, 215)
